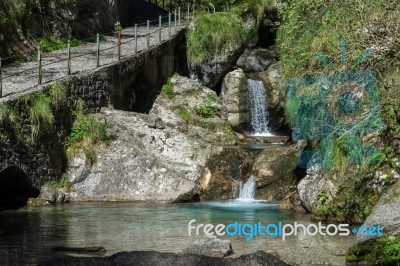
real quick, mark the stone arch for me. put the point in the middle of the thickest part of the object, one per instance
(15, 188)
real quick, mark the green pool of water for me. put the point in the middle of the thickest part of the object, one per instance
(28, 235)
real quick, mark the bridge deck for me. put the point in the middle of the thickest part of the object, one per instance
(20, 77)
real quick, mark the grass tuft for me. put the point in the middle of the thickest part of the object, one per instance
(213, 36)
(41, 115)
(58, 95)
(85, 134)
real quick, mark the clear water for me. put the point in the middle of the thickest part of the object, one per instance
(258, 108)
(28, 235)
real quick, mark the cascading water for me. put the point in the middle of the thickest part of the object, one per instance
(248, 189)
(258, 108)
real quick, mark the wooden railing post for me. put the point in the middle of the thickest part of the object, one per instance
(39, 58)
(136, 39)
(148, 34)
(1, 82)
(69, 57)
(98, 50)
(159, 28)
(169, 24)
(119, 45)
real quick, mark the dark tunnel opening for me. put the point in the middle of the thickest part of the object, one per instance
(15, 188)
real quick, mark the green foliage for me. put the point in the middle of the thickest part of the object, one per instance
(209, 107)
(168, 89)
(41, 115)
(323, 197)
(184, 113)
(10, 10)
(53, 43)
(382, 251)
(85, 134)
(213, 36)
(58, 95)
(311, 26)
(60, 183)
(4, 113)
(118, 27)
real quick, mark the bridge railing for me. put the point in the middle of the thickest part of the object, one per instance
(100, 50)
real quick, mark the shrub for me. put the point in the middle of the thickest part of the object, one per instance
(382, 251)
(60, 183)
(168, 90)
(53, 43)
(85, 133)
(58, 95)
(209, 107)
(214, 35)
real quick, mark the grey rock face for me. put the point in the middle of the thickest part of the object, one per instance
(274, 171)
(234, 98)
(211, 72)
(210, 246)
(155, 157)
(312, 185)
(142, 163)
(386, 214)
(257, 60)
(151, 258)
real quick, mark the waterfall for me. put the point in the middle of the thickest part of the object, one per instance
(258, 108)
(248, 189)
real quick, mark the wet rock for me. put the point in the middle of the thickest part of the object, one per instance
(385, 213)
(53, 195)
(234, 99)
(166, 259)
(210, 73)
(274, 171)
(36, 202)
(257, 60)
(210, 246)
(223, 173)
(291, 201)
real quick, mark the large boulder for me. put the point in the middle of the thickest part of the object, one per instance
(275, 171)
(342, 194)
(257, 60)
(211, 72)
(151, 258)
(224, 172)
(312, 186)
(161, 156)
(53, 195)
(210, 246)
(234, 99)
(385, 214)
(141, 163)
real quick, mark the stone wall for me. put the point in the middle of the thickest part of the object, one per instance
(45, 160)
